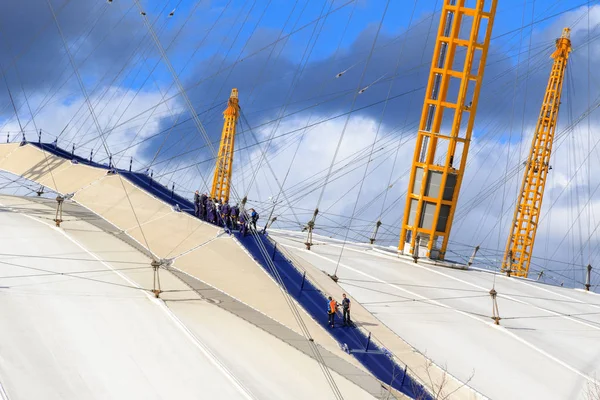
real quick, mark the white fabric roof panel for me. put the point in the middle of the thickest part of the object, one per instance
(538, 351)
(91, 335)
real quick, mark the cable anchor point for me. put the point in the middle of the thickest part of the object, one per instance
(495, 312)
(374, 236)
(156, 264)
(309, 227)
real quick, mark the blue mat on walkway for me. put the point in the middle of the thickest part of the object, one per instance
(315, 303)
(302, 290)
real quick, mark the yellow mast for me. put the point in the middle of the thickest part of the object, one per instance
(519, 246)
(222, 178)
(453, 90)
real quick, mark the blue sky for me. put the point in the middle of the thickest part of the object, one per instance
(125, 78)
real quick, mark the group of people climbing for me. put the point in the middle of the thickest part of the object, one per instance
(222, 214)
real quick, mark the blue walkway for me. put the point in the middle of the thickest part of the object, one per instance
(301, 289)
(315, 303)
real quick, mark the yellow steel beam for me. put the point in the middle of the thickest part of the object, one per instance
(443, 139)
(222, 178)
(519, 247)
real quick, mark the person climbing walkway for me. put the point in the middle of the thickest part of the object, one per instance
(254, 217)
(243, 225)
(346, 310)
(197, 204)
(235, 212)
(331, 309)
(210, 211)
(203, 198)
(225, 215)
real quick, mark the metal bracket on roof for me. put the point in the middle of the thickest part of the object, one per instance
(156, 265)
(59, 210)
(59, 207)
(309, 227)
(472, 259)
(495, 312)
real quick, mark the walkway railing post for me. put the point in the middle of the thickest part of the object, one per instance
(403, 375)
(368, 342)
(303, 280)
(274, 250)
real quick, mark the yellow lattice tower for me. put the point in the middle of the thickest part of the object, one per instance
(222, 179)
(519, 247)
(444, 130)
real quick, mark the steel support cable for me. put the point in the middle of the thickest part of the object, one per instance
(493, 168)
(107, 88)
(509, 154)
(142, 60)
(183, 121)
(91, 109)
(316, 185)
(356, 156)
(295, 81)
(181, 71)
(163, 95)
(190, 58)
(263, 151)
(14, 63)
(319, 122)
(71, 275)
(56, 88)
(279, 37)
(385, 190)
(275, 137)
(295, 312)
(293, 308)
(242, 25)
(558, 140)
(216, 141)
(48, 99)
(577, 218)
(360, 85)
(80, 81)
(480, 149)
(589, 142)
(175, 77)
(391, 85)
(407, 113)
(229, 71)
(152, 108)
(323, 86)
(21, 128)
(340, 7)
(570, 91)
(490, 189)
(539, 21)
(341, 172)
